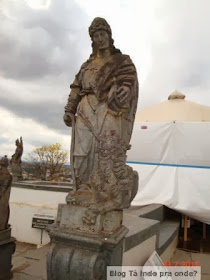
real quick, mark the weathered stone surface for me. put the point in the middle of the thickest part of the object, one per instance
(77, 256)
(16, 161)
(78, 218)
(7, 243)
(101, 110)
(5, 186)
(88, 233)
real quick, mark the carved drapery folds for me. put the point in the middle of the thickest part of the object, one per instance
(112, 185)
(88, 233)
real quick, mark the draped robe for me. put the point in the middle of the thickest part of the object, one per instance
(93, 100)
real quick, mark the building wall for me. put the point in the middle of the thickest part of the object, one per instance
(24, 204)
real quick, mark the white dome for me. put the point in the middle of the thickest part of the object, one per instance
(176, 108)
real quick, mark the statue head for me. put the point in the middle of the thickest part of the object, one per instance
(4, 162)
(99, 28)
(99, 24)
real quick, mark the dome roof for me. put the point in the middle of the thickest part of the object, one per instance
(176, 95)
(176, 108)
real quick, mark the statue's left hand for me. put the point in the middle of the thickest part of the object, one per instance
(122, 94)
(68, 118)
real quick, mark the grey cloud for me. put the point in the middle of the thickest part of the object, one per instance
(43, 47)
(196, 73)
(54, 42)
(48, 113)
(40, 43)
(181, 59)
(3, 140)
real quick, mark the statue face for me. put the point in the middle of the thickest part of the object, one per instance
(101, 39)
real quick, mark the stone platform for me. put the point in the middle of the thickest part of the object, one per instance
(29, 263)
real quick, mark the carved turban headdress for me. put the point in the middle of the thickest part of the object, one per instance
(99, 24)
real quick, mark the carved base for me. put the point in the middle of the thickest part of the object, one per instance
(75, 217)
(75, 256)
(7, 248)
(83, 251)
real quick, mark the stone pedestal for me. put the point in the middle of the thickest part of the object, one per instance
(7, 248)
(83, 251)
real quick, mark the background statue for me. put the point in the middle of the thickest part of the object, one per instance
(5, 186)
(101, 107)
(16, 160)
(16, 157)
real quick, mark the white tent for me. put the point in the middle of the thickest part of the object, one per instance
(171, 152)
(176, 108)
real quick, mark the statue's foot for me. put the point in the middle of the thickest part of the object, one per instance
(70, 197)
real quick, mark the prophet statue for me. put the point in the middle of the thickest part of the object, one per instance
(101, 109)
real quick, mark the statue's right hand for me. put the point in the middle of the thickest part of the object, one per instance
(68, 119)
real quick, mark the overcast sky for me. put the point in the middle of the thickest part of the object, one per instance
(44, 42)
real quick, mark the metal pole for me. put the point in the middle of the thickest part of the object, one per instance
(41, 235)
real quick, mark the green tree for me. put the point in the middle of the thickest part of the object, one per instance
(48, 160)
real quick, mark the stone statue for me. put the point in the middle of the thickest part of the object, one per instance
(16, 160)
(88, 234)
(5, 185)
(101, 107)
(7, 243)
